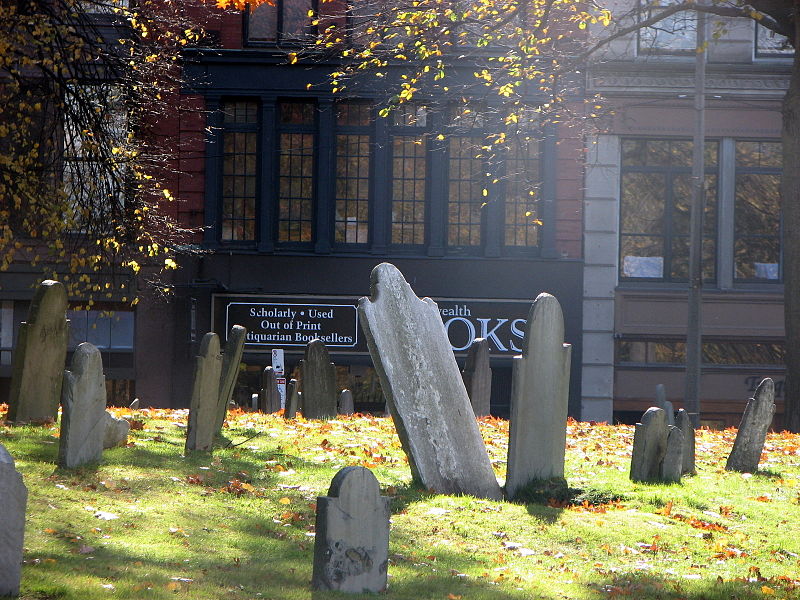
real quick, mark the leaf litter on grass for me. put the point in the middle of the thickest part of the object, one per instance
(239, 522)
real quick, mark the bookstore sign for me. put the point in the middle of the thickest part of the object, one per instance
(282, 322)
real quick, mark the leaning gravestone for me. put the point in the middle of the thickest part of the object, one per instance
(83, 416)
(539, 398)
(205, 395)
(752, 434)
(319, 382)
(477, 376)
(662, 402)
(231, 358)
(13, 497)
(269, 397)
(684, 423)
(425, 394)
(116, 431)
(346, 403)
(292, 400)
(351, 547)
(37, 366)
(649, 445)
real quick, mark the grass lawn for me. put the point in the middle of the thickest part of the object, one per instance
(238, 523)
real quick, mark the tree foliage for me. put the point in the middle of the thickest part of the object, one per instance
(83, 89)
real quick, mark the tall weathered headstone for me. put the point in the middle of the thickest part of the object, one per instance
(83, 416)
(477, 376)
(205, 395)
(319, 382)
(539, 398)
(649, 445)
(346, 403)
(663, 403)
(231, 358)
(37, 366)
(684, 423)
(757, 418)
(351, 547)
(13, 498)
(269, 397)
(292, 400)
(426, 396)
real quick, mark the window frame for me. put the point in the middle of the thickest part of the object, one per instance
(653, 48)
(667, 234)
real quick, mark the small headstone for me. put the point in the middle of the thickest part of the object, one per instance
(269, 398)
(421, 381)
(663, 403)
(351, 547)
(13, 498)
(539, 398)
(116, 431)
(649, 445)
(346, 403)
(205, 395)
(319, 382)
(477, 376)
(83, 401)
(672, 463)
(684, 423)
(292, 400)
(757, 418)
(135, 404)
(38, 360)
(231, 358)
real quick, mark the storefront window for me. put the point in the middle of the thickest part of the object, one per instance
(757, 213)
(655, 198)
(239, 159)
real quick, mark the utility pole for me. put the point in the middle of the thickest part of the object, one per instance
(694, 353)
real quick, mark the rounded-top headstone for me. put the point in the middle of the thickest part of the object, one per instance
(50, 299)
(354, 486)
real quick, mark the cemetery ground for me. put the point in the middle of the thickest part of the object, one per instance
(238, 523)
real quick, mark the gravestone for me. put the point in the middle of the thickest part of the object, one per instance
(351, 547)
(269, 397)
(231, 358)
(423, 387)
(752, 434)
(477, 376)
(649, 445)
(684, 423)
(672, 463)
(116, 431)
(539, 398)
(319, 382)
(135, 404)
(205, 395)
(292, 399)
(83, 415)
(663, 403)
(37, 368)
(346, 403)
(13, 498)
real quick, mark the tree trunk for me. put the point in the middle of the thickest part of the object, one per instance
(790, 205)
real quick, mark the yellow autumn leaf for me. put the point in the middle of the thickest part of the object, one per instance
(767, 591)
(285, 500)
(292, 57)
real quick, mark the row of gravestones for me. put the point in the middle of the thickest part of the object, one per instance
(663, 444)
(319, 398)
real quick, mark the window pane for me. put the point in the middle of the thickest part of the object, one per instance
(642, 203)
(408, 190)
(297, 112)
(296, 187)
(239, 143)
(465, 199)
(522, 219)
(352, 189)
(642, 256)
(263, 23)
(675, 34)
